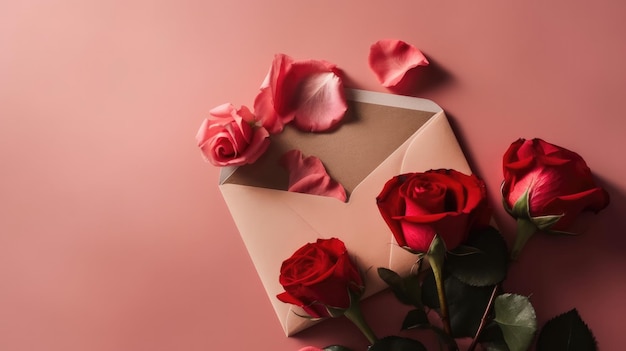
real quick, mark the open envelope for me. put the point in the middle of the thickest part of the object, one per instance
(382, 135)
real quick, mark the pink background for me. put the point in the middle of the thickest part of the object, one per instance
(113, 235)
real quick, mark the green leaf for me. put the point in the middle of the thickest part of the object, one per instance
(441, 334)
(336, 348)
(466, 303)
(495, 346)
(414, 319)
(396, 343)
(492, 339)
(488, 263)
(417, 319)
(566, 332)
(394, 280)
(407, 290)
(516, 317)
(463, 250)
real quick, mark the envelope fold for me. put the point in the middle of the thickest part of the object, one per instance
(274, 223)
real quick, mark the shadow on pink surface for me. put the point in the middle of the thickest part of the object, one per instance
(420, 80)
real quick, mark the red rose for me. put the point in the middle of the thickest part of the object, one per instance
(416, 206)
(228, 137)
(557, 180)
(320, 275)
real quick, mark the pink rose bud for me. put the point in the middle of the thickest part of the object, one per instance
(228, 138)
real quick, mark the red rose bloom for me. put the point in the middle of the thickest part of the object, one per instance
(320, 275)
(557, 180)
(416, 206)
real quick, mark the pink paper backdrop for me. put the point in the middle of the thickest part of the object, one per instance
(113, 235)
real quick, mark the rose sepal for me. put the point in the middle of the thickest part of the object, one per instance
(521, 207)
(354, 314)
(307, 317)
(561, 232)
(419, 254)
(527, 225)
(544, 223)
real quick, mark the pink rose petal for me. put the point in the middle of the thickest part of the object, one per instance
(307, 175)
(272, 95)
(308, 92)
(318, 102)
(390, 59)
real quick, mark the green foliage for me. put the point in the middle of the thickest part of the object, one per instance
(466, 303)
(444, 338)
(516, 317)
(492, 339)
(495, 347)
(407, 290)
(336, 348)
(483, 261)
(566, 332)
(396, 343)
(415, 318)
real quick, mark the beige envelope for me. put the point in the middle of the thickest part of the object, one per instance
(383, 135)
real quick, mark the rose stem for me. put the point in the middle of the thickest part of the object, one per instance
(443, 303)
(483, 320)
(354, 314)
(436, 255)
(525, 229)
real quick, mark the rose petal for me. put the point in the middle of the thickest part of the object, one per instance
(593, 200)
(271, 95)
(390, 59)
(390, 202)
(314, 96)
(313, 310)
(308, 176)
(223, 111)
(309, 91)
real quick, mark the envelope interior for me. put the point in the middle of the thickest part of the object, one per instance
(368, 134)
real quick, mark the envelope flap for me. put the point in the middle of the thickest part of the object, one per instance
(369, 133)
(438, 138)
